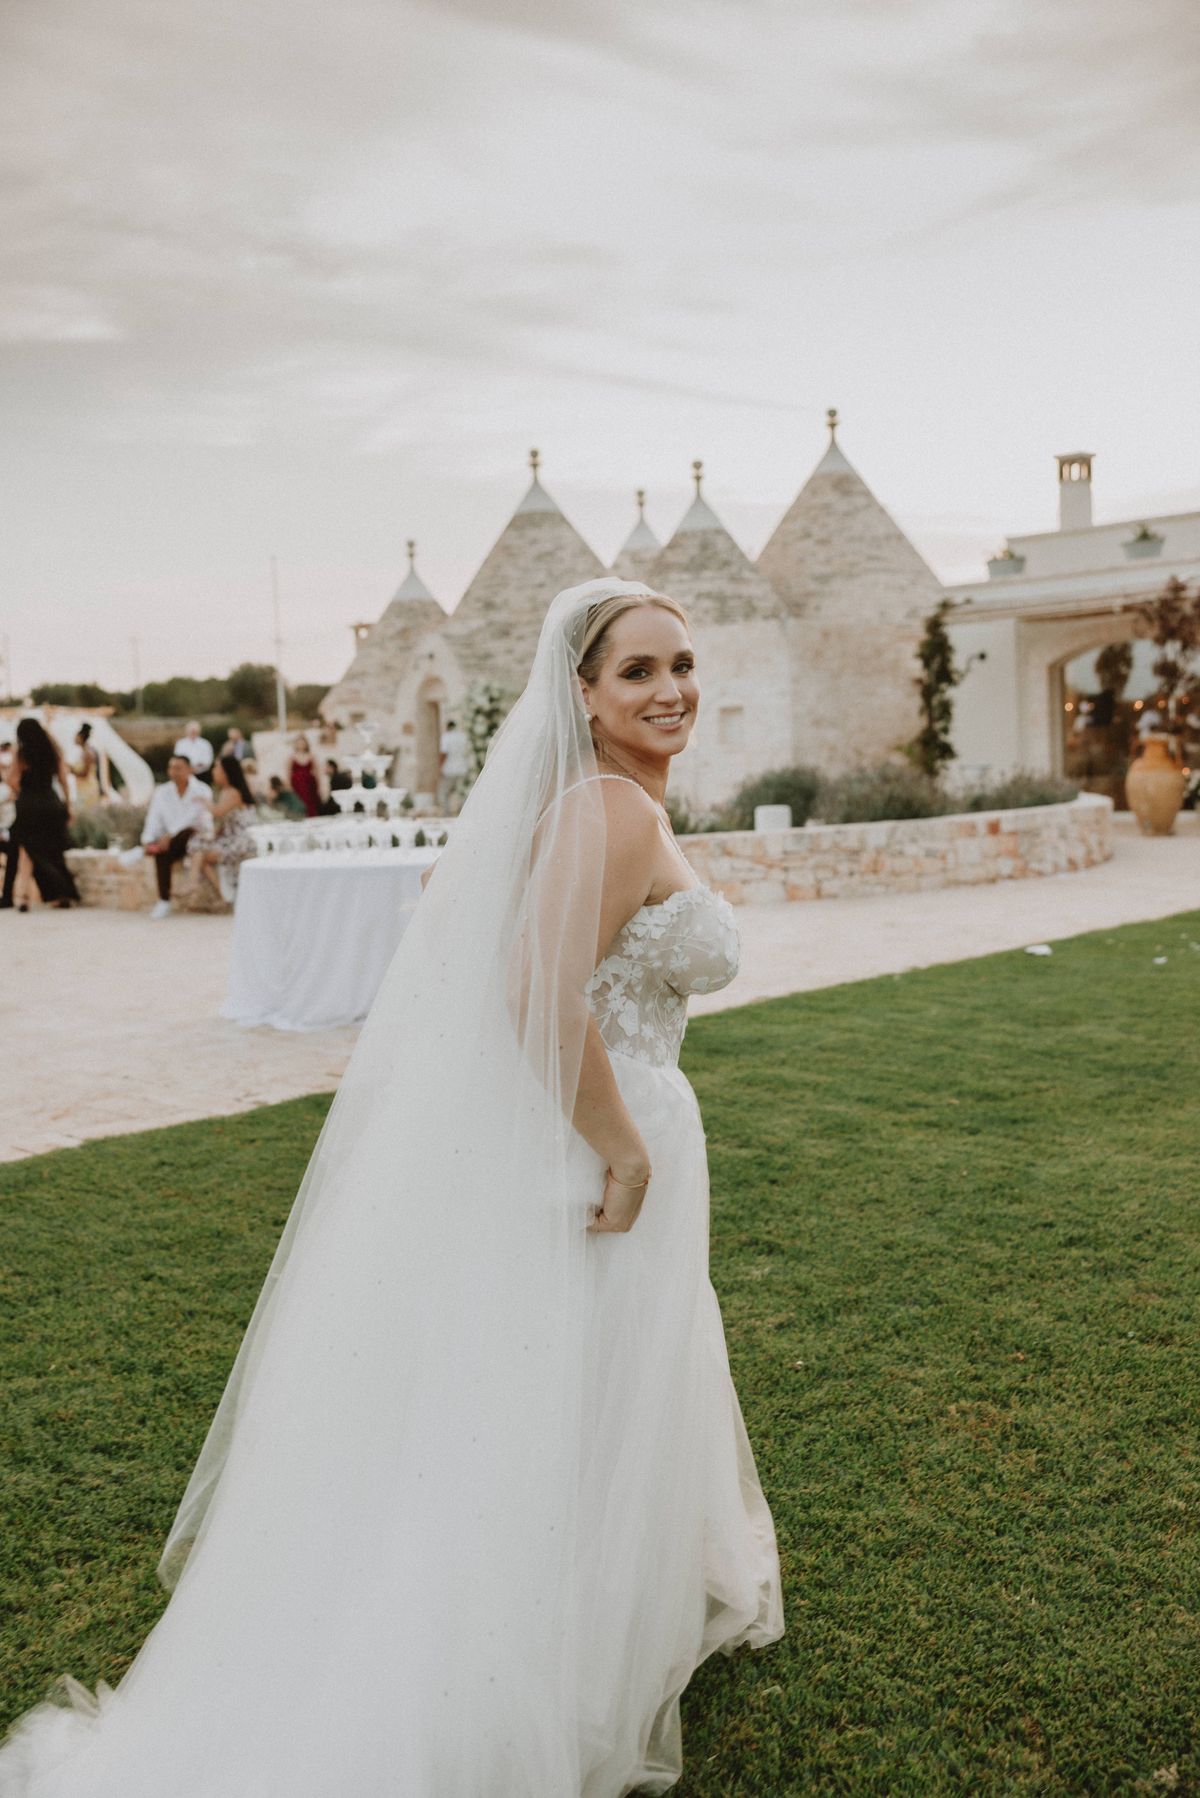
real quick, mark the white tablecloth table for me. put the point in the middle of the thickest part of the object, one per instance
(313, 933)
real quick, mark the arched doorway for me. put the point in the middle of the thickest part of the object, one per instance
(431, 697)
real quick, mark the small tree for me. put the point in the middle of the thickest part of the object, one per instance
(1171, 620)
(252, 689)
(931, 749)
(1114, 665)
(305, 698)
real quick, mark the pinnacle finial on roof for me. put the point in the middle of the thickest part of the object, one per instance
(640, 543)
(412, 586)
(535, 462)
(697, 475)
(831, 419)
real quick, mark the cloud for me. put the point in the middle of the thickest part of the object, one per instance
(1098, 97)
(288, 218)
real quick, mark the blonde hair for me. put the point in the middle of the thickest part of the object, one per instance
(604, 614)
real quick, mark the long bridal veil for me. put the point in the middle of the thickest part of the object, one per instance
(396, 1455)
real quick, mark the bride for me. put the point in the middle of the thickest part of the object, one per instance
(478, 1498)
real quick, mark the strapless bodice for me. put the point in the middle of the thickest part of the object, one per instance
(639, 992)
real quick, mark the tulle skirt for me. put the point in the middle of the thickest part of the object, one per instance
(306, 1653)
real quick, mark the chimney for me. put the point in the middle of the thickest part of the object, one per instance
(1075, 491)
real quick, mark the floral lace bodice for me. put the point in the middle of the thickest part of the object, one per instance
(639, 992)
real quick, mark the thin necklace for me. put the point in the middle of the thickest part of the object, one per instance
(649, 795)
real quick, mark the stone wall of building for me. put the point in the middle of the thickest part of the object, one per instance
(744, 721)
(828, 861)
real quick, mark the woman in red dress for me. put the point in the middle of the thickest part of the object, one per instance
(302, 774)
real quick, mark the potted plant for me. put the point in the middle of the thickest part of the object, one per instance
(1006, 561)
(1157, 780)
(1144, 542)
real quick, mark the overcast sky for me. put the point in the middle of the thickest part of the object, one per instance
(288, 278)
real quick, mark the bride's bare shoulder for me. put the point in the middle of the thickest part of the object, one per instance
(622, 803)
(627, 799)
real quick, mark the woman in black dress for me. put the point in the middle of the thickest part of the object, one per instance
(40, 826)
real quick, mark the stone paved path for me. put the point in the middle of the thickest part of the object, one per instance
(110, 1021)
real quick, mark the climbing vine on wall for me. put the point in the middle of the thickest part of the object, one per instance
(932, 748)
(484, 710)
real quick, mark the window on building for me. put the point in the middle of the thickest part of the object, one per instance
(730, 727)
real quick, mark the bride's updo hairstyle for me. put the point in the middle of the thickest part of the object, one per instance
(604, 614)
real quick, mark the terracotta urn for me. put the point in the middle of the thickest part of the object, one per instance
(1154, 788)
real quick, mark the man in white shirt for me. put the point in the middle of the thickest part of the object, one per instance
(454, 763)
(197, 750)
(178, 811)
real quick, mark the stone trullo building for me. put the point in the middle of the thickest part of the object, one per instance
(806, 656)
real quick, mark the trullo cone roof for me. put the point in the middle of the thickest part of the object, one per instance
(639, 549)
(369, 686)
(704, 569)
(837, 551)
(495, 627)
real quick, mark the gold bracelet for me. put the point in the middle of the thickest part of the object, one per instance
(630, 1185)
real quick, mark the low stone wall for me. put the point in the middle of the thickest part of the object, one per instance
(104, 882)
(821, 861)
(827, 861)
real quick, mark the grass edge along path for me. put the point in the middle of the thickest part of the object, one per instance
(955, 1240)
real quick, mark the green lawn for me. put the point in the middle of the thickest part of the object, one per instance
(955, 1236)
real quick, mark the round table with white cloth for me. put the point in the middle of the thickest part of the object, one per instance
(313, 933)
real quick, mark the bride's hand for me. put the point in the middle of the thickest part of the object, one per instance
(620, 1205)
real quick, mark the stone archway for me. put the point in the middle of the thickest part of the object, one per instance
(1045, 648)
(431, 698)
(1090, 748)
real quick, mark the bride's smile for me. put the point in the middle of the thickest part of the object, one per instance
(644, 696)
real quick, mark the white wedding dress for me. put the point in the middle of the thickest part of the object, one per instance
(678, 1549)
(478, 1498)
(244, 1690)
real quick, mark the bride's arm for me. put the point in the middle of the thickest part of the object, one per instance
(589, 875)
(601, 1115)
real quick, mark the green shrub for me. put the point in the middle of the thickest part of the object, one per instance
(1018, 789)
(107, 827)
(869, 795)
(682, 821)
(797, 787)
(891, 790)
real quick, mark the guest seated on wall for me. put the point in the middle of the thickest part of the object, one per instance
(232, 810)
(338, 780)
(250, 770)
(37, 840)
(178, 812)
(284, 801)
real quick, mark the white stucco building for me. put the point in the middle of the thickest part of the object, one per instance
(1046, 599)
